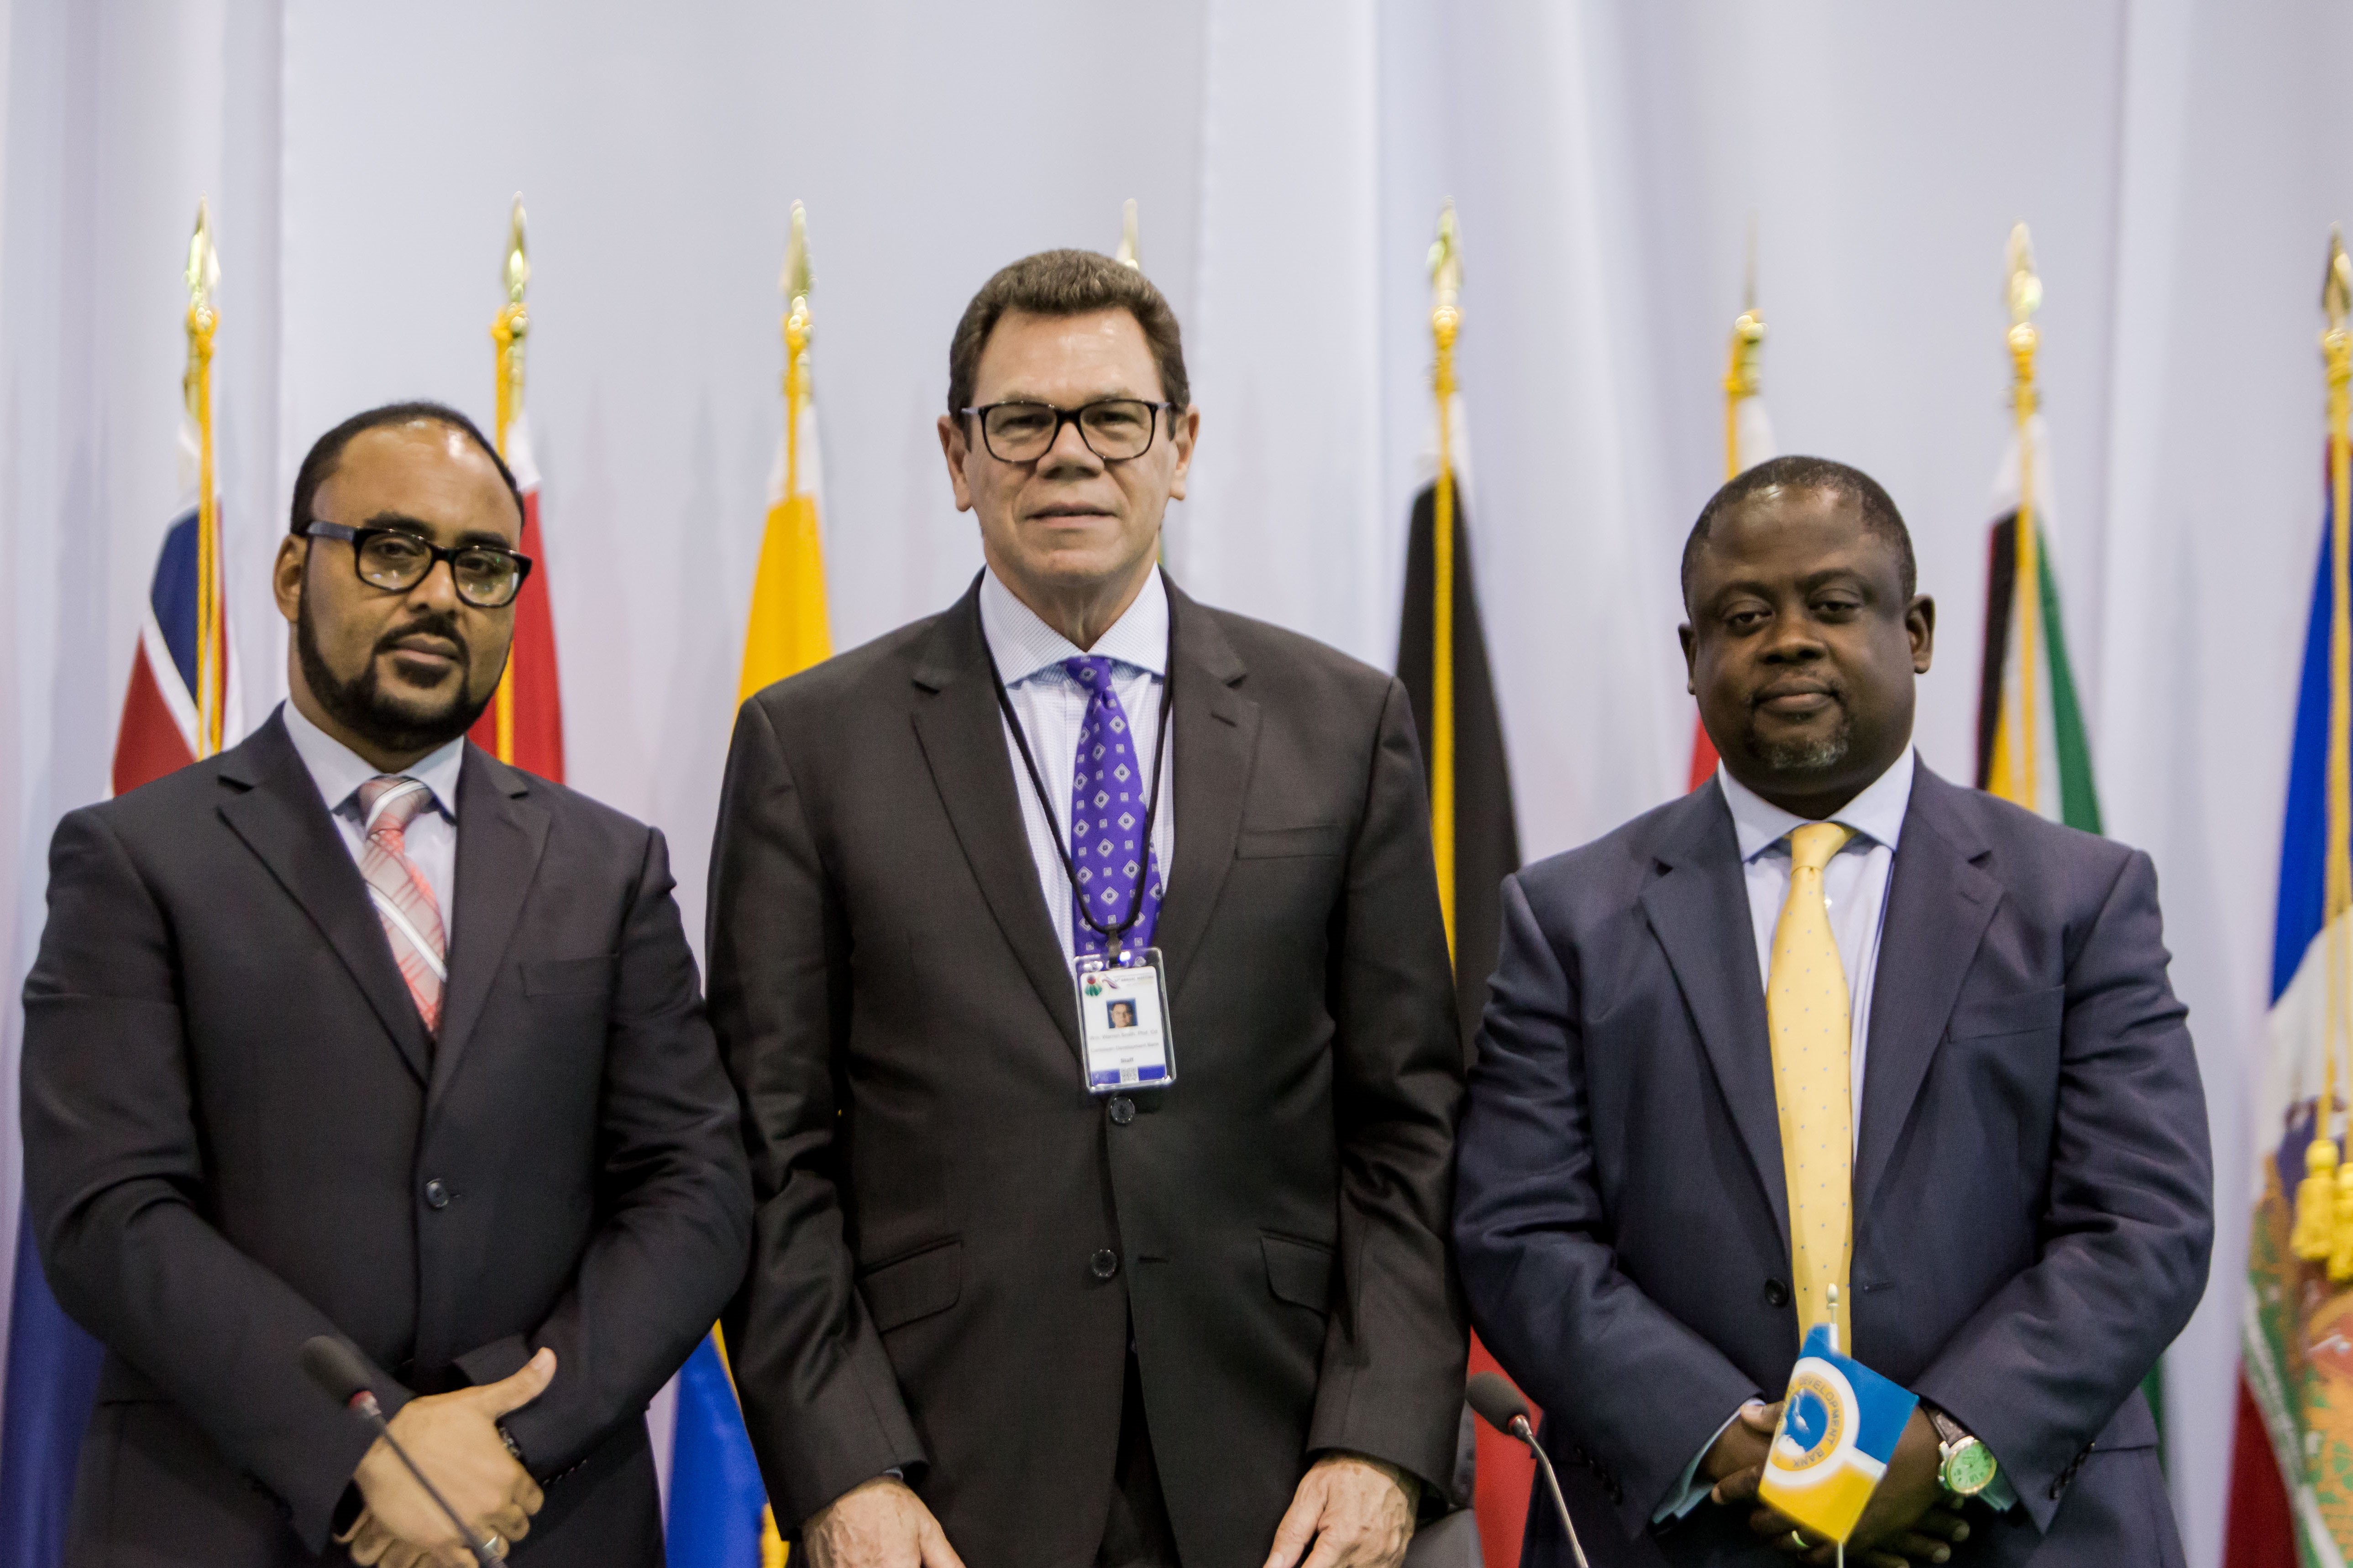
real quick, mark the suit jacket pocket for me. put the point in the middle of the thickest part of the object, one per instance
(1299, 1272)
(1291, 843)
(570, 977)
(2032, 1012)
(913, 1287)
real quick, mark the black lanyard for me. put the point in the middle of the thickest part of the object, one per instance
(1111, 934)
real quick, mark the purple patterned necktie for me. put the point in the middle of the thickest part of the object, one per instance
(1108, 794)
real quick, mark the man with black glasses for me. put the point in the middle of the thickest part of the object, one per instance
(1077, 956)
(354, 1030)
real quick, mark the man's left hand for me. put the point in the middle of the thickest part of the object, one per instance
(1907, 1521)
(1357, 1513)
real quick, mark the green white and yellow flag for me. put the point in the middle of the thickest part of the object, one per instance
(2031, 745)
(789, 628)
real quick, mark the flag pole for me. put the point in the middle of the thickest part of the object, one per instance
(1445, 321)
(2336, 347)
(1741, 381)
(196, 387)
(507, 332)
(2025, 298)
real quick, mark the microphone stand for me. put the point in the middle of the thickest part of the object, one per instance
(364, 1406)
(1527, 1433)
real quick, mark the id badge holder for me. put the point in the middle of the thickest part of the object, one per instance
(1124, 1023)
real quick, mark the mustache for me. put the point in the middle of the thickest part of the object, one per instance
(1833, 689)
(436, 624)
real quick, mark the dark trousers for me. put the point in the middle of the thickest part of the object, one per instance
(1137, 1534)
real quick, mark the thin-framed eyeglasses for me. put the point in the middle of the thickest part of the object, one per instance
(1115, 428)
(487, 577)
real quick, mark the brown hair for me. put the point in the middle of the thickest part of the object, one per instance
(1067, 283)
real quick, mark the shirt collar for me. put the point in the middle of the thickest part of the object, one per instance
(1876, 814)
(338, 771)
(1024, 645)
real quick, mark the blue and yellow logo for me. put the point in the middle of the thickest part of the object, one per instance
(1840, 1423)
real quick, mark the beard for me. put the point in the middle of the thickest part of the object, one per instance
(361, 706)
(1814, 756)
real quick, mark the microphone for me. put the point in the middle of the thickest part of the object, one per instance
(1500, 1405)
(338, 1369)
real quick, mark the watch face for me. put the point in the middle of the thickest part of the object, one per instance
(1968, 1470)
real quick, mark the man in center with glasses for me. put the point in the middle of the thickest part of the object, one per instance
(1077, 956)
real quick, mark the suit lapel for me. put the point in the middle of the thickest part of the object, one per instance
(1939, 903)
(501, 832)
(962, 735)
(1699, 911)
(1215, 733)
(275, 810)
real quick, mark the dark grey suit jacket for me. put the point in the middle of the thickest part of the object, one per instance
(2034, 1189)
(934, 1183)
(238, 1135)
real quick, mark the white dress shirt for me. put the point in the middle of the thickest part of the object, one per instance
(338, 771)
(1052, 708)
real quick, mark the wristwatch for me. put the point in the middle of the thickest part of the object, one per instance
(1969, 1466)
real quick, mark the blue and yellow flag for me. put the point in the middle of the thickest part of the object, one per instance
(1839, 1426)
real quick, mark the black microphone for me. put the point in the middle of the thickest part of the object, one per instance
(337, 1369)
(1500, 1405)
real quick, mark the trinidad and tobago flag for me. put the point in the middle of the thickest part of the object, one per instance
(181, 704)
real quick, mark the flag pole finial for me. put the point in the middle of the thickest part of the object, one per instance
(508, 329)
(203, 277)
(795, 282)
(797, 342)
(2322, 1228)
(1130, 254)
(518, 265)
(1743, 376)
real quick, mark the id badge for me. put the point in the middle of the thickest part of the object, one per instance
(1123, 1022)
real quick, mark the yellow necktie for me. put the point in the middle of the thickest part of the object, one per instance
(1806, 1014)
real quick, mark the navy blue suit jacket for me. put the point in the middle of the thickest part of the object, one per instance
(2034, 1185)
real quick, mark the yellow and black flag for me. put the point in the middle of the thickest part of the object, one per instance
(1442, 659)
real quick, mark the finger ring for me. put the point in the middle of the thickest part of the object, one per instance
(495, 1544)
(1797, 1541)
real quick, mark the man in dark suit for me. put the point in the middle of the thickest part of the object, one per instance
(993, 1317)
(1829, 1039)
(353, 1030)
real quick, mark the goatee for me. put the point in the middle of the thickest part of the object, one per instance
(361, 706)
(1812, 756)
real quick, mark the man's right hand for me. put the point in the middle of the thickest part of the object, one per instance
(883, 1524)
(1736, 1462)
(454, 1438)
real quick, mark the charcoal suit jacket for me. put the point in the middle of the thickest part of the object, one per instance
(238, 1134)
(2032, 1182)
(954, 1240)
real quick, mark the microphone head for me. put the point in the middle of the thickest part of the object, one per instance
(1496, 1401)
(335, 1367)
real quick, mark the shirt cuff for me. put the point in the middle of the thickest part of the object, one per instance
(1689, 1489)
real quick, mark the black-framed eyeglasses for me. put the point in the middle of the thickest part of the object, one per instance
(1115, 428)
(488, 576)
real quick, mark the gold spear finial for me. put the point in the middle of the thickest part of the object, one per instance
(795, 279)
(2025, 288)
(204, 261)
(518, 259)
(1742, 379)
(1129, 253)
(2337, 286)
(1446, 262)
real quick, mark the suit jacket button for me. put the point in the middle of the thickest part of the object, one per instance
(1103, 1263)
(1776, 1293)
(436, 1193)
(1122, 1110)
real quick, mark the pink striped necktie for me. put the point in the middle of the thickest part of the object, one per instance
(403, 898)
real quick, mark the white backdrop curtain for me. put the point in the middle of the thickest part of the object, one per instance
(2179, 160)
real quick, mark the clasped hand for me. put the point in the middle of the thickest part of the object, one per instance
(1907, 1521)
(455, 1440)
